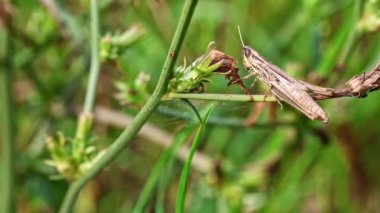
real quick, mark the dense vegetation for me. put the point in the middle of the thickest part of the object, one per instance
(74, 74)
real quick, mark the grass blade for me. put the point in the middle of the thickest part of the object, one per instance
(162, 163)
(181, 196)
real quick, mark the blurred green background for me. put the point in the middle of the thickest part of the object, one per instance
(290, 165)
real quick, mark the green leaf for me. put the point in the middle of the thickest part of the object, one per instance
(162, 163)
(181, 196)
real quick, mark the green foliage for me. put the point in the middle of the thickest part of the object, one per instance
(288, 164)
(183, 182)
(165, 159)
(370, 21)
(191, 78)
(133, 92)
(71, 157)
(114, 45)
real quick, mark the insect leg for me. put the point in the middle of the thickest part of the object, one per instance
(279, 102)
(270, 91)
(248, 76)
(252, 84)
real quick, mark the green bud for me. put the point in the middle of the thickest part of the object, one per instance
(114, 45)
(191, 78)
(70, 157)
(133, 92)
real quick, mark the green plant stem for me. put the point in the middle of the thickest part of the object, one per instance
(220, 97)
(7, 135)
(85, 117)
(221, 120)
(95, 64)
(128, 134)
(192, 108)
(181, 195)
(162, 163)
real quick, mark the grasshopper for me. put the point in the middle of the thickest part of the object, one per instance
(281, 85)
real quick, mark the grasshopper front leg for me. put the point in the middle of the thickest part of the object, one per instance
(248, 76)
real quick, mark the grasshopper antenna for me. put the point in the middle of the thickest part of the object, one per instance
(241, 37)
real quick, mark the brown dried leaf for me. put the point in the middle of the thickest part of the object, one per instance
(228, 68)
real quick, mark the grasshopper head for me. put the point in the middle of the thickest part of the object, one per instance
(247, 52)
(247, 58)
(252, 60)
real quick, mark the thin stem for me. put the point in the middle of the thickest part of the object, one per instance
(162, 163)
(182, 188)
(181, 195)
(128, 134)
(192, 108)
(220, 97)
(95, 64)
(84, 122)
(7, 136)
(221, 120)
(359, 86)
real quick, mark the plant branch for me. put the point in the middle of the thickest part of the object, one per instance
(220, 97)
(182, 188)
(95, 64)
(7, 140)
(129, 133)
(84, 123)
(105, 116)
(7, 124)
(358, 87)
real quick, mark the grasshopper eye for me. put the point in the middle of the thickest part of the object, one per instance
(247, 52)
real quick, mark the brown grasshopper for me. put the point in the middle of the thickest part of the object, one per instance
(284, 87)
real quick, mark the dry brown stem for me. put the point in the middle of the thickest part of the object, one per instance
(359, 86)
